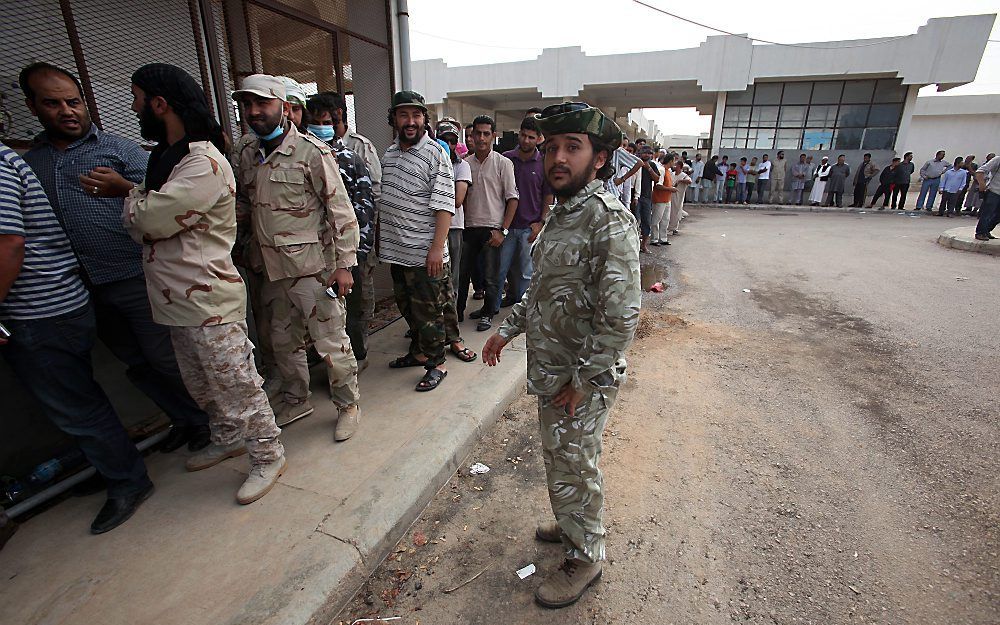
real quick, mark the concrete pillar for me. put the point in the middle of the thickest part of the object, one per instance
(720, 111)
(904, 123)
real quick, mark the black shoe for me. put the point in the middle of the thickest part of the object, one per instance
(656, 243)
(990, 237)
(117, 510)
(507, 302)
(461, 317)
(476, 314)
(201, 437)
(177, 436)
(478, 294)
(485, 323)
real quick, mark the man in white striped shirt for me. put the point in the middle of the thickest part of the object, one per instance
(415, 210)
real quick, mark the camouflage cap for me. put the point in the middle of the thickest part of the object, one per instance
(407, 98)
(448, 126)
(579, 117)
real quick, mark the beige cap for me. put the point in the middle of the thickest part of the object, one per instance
(262, 85)
(294, 92)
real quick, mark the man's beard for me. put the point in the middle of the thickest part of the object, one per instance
(409, 127)
(572, 186)
(149, 126)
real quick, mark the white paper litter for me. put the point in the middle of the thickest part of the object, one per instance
(961, 278)
(478, 469)
(746, 290)
(526, 571)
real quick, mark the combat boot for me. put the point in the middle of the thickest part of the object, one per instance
(214, 454)
(260, 481)
(347, 422)
(565, 586)
(289, 413)
(549, 532)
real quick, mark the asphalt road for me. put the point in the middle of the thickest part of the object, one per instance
(808, 434)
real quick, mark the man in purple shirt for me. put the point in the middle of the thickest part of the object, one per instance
(525, 223)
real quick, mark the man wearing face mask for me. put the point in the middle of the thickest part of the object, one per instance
(291, 194)
(295, 95)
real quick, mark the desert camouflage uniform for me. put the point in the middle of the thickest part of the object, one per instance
(579, 315)
(305, 228)
(187, 229)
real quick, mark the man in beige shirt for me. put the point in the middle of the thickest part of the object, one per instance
(489, 209)
(292, 195)
(184, 215)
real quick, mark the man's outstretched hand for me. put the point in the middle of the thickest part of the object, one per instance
(492, 349)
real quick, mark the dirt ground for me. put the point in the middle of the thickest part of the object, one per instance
(791, 470)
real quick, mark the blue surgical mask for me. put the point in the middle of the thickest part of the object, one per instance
(274, 134)
(324, 132)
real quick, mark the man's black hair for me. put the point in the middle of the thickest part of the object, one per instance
(532, 111)
(896, 159)
(608, 169)
(485, 119)
(34, 68)
(467, 126)
(327, 101)
(529, 123)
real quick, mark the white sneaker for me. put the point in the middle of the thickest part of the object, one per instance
(289, 413)
(347, 423)
(261, 480)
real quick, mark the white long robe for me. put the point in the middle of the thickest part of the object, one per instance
(819, 186)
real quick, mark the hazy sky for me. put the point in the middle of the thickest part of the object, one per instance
(475, 32)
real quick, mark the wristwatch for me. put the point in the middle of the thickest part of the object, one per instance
(504, 232)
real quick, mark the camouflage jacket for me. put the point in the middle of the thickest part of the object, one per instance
(187, 229)
(363, 147)
(582, 308)
(358, 183)
(295, 202)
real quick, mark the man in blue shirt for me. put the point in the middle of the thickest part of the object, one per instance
(86, 173)
(45, 307)
(952, 183)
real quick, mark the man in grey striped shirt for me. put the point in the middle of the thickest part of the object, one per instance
(415, 209)
(45, 307)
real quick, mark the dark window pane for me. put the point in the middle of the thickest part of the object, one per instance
(764, 116)
(822, 116)
(853, 115)
(767, 93)
(827, 92)
(788, 139)
(740, 97)
(885, 115)
(879, 138)
(817, 139)
(890, 90)
(858, 91)
(848, 138)
(792, 116)
(796, 93)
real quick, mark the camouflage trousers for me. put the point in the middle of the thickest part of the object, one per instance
(571, 448)
(261, 320)
(422, 301)
(216, 364)
(361, 305)
(303, 314)
(451, 331)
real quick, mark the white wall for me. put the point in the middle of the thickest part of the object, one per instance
(959, 125)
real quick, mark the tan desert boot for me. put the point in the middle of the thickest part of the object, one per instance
(214, 454)
(347, 423)
(549, 532)
(566, 585)
(261, 480)
(289, 413)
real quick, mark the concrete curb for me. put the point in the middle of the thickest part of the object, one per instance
(793, 208)
(964, 238)
(384, 515)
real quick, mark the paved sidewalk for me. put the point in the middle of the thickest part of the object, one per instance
(964, 238)
(192, 556)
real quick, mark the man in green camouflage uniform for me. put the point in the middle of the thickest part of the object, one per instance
(291, 194)
(579, 315)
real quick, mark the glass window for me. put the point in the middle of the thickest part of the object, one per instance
(740, 97)
(768, 93)
(885, 115)
(879, 139)
(730, 116)
(765, 139)
(737, 116)
(822, 116)
(742, 133)
(727, 143)
(827, 92)
(788, 139)
(797, 93)
(848, 138)
(728, 133)
(792, 116)
(764, 116)
(858, 91)
(817, 139)
(853, 115)
(891, 90)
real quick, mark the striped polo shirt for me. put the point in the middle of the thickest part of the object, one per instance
(416, 184)
(48, 284)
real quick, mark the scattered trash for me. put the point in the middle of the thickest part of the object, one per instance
(723, 235)
(961, 278)
(657, 288)
(377, 619)
(478, 469)
(468, 581)
(862, 212)
(854, 590)
(419, 539)
(526, 571)
(746, 290)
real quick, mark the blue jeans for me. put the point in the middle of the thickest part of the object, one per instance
(125, 324)
(989, 214)
(763, 186)
(928, 187)
(51, 358)
(741, 192)
(516, 251)
(645, 215)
